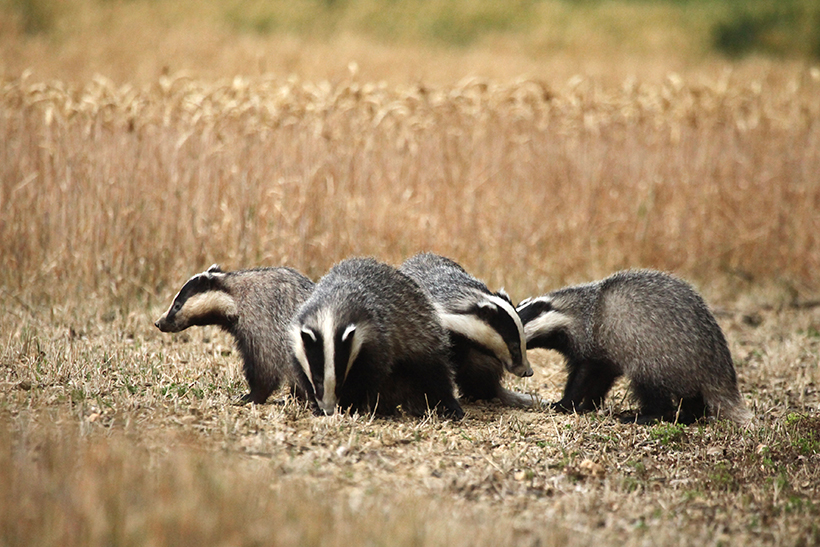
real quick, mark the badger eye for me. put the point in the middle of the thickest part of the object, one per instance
(177, 306)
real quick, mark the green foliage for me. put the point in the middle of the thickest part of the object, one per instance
(77, 395)
(722, 477)
(461, 24)
(458, 22)
(778, 27)
(732, 27)
(793, 419)
(668, 434)
(34, 16)
(308, 17)
(805, 437)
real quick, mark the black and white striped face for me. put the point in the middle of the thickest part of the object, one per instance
(543, 323)
(326, 351)
(201, 301)
(493, 324)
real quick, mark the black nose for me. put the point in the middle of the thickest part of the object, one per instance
(156, 323)
(528, 373)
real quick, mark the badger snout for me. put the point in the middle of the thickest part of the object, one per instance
(523, 370)
(328, 409)
(164, 325)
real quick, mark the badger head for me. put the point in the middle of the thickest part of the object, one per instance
(325, 349)
(546, 325)
(492, 324)
(203, 300)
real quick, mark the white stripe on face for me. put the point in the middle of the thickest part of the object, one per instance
(206, 303)
(355, 345)
(529, 301)
(475, 329)
(524, 369)
(546, 323)
(327, 326)
(298, 346)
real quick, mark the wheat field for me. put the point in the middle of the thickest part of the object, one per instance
(112, 194)
(123, 191)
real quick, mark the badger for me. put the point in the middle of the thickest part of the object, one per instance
(648, 325)
(486, 334)
(255, 307)
(368, 339)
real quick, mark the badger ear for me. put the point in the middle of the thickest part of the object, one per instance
(503, 294)
(486, 309)
(215, 269)
(534, 306)
(307, 335)
(351, 328)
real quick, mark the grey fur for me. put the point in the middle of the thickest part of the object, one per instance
(370, 333)
(256, 307)
(485, 332)
(650, 326)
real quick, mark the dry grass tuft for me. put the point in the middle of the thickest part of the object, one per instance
(111, 196)
(112, 433)
(123, 192)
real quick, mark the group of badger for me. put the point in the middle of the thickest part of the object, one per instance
(370, 337)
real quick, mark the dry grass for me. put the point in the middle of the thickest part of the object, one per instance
(112, 194)
(124, 191)
(111, 433)
(400, 42)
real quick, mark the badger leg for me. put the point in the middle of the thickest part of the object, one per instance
(655, 404)
(599, 381)
(479, 379)
(252, 397)
(418, 386)
(259, 393)
(725, 402)
(262, 380)
(245, 399)
(440, 393)
(475, 383)
(691, 409)
(576, 389)
(303, 389)
(450, 408)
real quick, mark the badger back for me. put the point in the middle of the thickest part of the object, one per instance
(652, 317)
(267, 299)
(468, 309)
(268, 296)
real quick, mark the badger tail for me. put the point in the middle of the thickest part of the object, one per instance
(731, 408)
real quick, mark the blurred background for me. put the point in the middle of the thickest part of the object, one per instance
(431, 40)
(538, 142)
